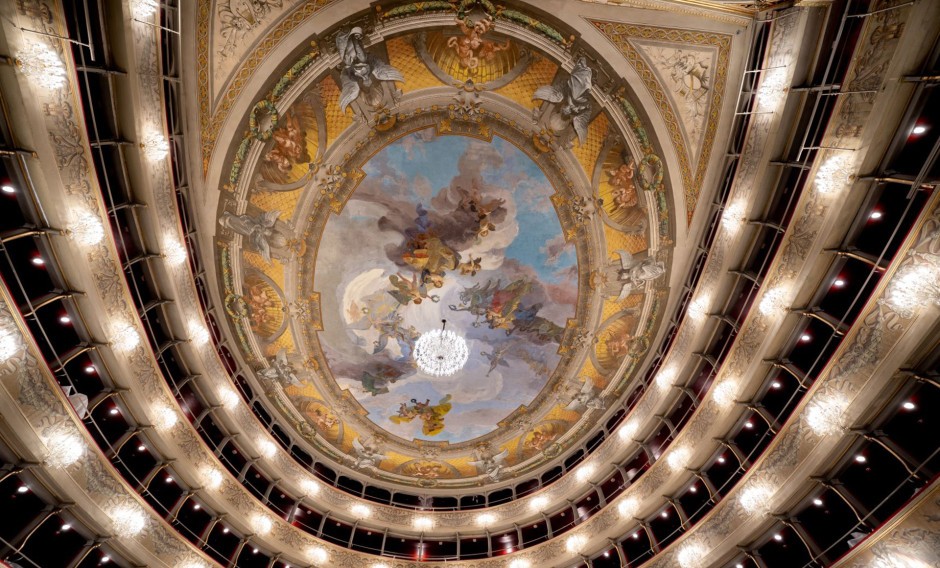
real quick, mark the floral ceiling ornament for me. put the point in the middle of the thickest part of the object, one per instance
(441, 352)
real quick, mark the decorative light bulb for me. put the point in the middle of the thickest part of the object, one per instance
(756, 496)
(824, 414)
(155, 146)
(42, 64)
(198, 333)
(261, 524)
(212, 478)
(267, 448)
(317, 554)
(724, 392)
(423, 523)
(692, 555)
(128, 520)
(773, 301)
(229, 398)
(538, 503)
(86, 228)
(164, 418)
(834, 173)
(628, 508)
(678, 458)
(360, 511)
(64, 446)
(485, 519)
(125, 337)
(174, 252)
(575, 543)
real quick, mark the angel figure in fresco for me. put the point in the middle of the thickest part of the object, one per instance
(367, 83)
(493, 302)
(431, 415)
(622, 181)
(471, 266)
(586, 398)
(281, 371)
(497, 357)
(539, 440)
(377, 377)
(289, 143)
(406, 291)
(473, 203)
(322, 419)
(389, 326)
(634, 272)
(471, 48)
(618, 344)
(491, 465)
(258, 302)
(429, 470)
(567, 105)
(366, 456)
(431, 258)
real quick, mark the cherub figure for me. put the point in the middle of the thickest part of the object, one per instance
(622, 181)
(471, 48)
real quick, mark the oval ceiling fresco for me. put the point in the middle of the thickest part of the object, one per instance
(445, 227)
(446, 173)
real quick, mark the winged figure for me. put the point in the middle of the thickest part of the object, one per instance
(586, 398)
(78, 400)
(364, 75)
(258, 230)
(366, 457)
(491, 465)
(497, 357)
(634, 272)
(281, 371)
(567, 104)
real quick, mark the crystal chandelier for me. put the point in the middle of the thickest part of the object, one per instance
(441, 352)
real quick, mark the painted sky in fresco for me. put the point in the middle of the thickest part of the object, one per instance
(445, 227)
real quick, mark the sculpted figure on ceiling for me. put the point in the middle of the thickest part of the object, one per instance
(634, 272)
(566, 107)
(268, 236)
(367, 82)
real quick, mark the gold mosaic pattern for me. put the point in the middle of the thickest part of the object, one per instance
(521, 90)
(588, 152)
(402, 56)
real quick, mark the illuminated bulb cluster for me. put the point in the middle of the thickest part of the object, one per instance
(64, 446)
(773, 301)
(485, 519)
(267, 448)
(824, 414)
(86, 228)
(317, 555)
(310, 487)
(666, 377)
(229, 398)
(198, 333)
(575, 543)
(423, 523)
(698, 309)
(724, 392)
(174, 252)
(834, 173)
(360, 511)
(9, 344)
(128, 520)
(733, 218)
(125, 337)
(261, 524)
(755, 498)
(539, 503)
(164, 418)
(519, 563)
(678, 458)
(628, 508)
(42, 64)
(692, 555)
(155, 146)
(145, 9)
(773, 86)
(912, 287)
(584, 473)
(212, 478)
(628, 430)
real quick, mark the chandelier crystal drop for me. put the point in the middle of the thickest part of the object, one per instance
(441, 352)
